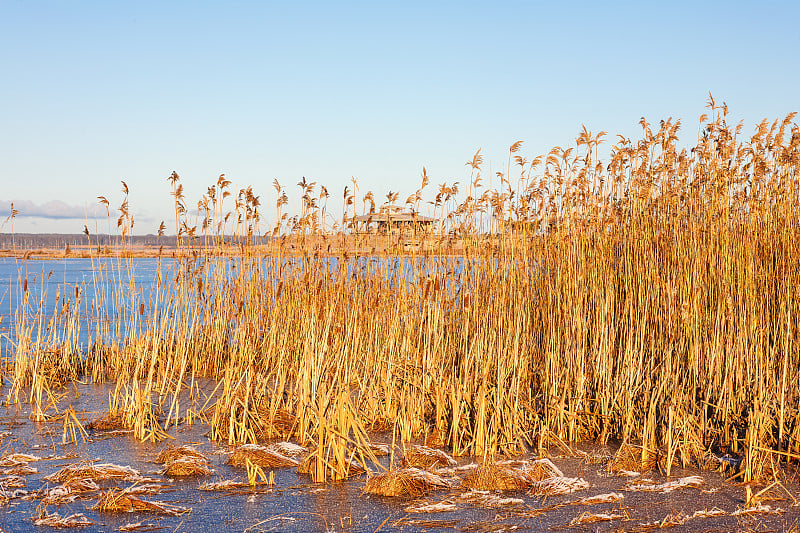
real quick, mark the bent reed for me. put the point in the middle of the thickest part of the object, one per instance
(652, 298)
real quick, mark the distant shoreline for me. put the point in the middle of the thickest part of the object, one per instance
(69, 246)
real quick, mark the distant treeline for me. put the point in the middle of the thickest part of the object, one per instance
(37, 241)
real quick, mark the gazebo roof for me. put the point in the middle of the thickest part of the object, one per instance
(389, 217)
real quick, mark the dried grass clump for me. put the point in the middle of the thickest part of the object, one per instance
(424, 457)
(558, 485)
(172, 453)
(646, 485)
(68, 492)
(379, 450)
(758, 509)
(406, 482)
(611, 497)
(226, 484)
(425, 524)
(54, 520)
(709, 513)
(113, 421)
(631, 458)
(289, 449)
(148, 488)
(591, 518)
(120, 500)
(17, 459)
(187, 466)
(183, 461)
(58, 495)
(431, 507)
(262, 456)
(96, 472)
(12, 482)
(538, 469)
(20, 470)
(494, 476)
(484, 498)
(80, 485)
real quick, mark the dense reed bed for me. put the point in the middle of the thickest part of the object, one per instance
(651, 297)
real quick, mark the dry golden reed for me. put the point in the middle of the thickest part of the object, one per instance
(651, 295)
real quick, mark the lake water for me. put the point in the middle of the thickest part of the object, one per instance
(106, 285)
(49, 280)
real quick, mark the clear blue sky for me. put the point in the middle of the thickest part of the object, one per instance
(97, 92)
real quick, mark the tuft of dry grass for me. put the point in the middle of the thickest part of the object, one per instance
(669, 521)
(495, 476)
(758, 509)
(21, 470)
(485, 498)
(67, 492)
(17, 459)
(646, 485)
(425, 524)
(239, 418)
(172, 453)
(120, 500)
(55, 520)
(289, 449)
(558, 485)
(592, 518)
(73, 428)
(80, 485)
(431, 507)
(424, 457)
(12, 482)
(183, 461)
(187, 466)
(379, 450)
(262, 456)
(631, 458)
(538, 469)
(611, 497)
(148, 488)
(94, 472)
(113, 421)
(233, 485)
(406, 482)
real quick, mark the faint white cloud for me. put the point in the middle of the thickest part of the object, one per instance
(55, 209)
